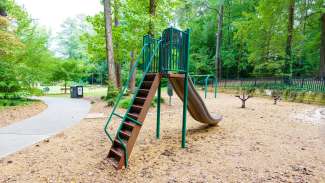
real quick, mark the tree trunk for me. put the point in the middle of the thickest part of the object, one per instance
(239, 59)
(133, 77)
(322, 49)
(109, 42)
(152, 14)
(117, 64)
(3, 12)
(218, 64)
(288, 59)
(65, 87)
(118, 75)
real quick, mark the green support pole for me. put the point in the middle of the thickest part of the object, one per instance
(215, 87)
(206, 87)
(185, 93)
(158, 112)
(184, 111)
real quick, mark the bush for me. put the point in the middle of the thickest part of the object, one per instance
(155, 101)
(125, 103)
(112, 93)
(36, 92)
(14, 102)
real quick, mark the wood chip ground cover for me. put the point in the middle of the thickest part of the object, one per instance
(262, 143)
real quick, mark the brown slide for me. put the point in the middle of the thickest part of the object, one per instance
(196, 106)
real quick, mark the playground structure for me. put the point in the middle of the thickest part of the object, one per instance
(165, 57)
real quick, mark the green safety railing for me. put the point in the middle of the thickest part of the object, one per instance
(150, 49)
(150, 57)
(296, 84)
(174, 51)
(204, 80)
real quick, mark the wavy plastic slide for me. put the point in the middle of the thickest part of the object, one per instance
(196, 106)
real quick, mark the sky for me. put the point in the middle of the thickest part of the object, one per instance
(52, 13)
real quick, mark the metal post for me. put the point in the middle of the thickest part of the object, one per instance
(215, 87)
(206, 87)
(158, 112)
(185, 90)
(158, 98)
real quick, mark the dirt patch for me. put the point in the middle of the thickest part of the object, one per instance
(312, 115)
(15, 114)
(261, 143)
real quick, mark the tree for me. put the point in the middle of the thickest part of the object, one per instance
(218, 42)
(69, 38)
(288, 59)
(109, 42)
(68, 70)
(322, 48)
(24, 56)
(117, 64)
(152, 14)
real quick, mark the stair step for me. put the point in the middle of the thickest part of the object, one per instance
(117, 151)
(144, 90)
(138, 106)
(146, 85)
(141, 98)
(143, 93)
(117, 142)
(139, 101)
(150, 77)
(113, 161)
(136, 109)
(125, 133)
(135, 115)
(129, 125)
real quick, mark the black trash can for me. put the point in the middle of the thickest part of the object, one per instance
(76, 91)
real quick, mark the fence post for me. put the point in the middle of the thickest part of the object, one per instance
(215, 87)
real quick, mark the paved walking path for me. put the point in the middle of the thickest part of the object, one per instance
(61, 113)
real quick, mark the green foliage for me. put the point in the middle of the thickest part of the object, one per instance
(16, 102)
(125, 103)
(24, 56)
(112, 93)
(36, 92)
(254, 36)
(155, 101)
(69, 70)
(70, 38)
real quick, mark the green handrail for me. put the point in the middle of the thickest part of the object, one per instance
(133, 98)
(119, 97)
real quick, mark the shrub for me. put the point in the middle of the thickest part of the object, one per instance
(111, 95)
(14, 102)
(36, 92)
(125, 103)
(300, 97)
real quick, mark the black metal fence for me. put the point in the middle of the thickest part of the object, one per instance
(299, 84)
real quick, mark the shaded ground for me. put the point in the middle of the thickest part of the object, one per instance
(263, 143)
(10, 115)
